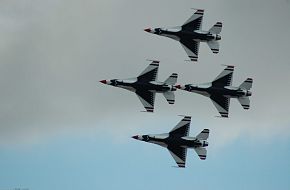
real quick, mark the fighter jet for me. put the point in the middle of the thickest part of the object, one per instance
(221, 90)
(190, 34)
(146, 86)
(177, 141)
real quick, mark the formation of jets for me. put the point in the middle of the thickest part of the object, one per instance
(220, 90)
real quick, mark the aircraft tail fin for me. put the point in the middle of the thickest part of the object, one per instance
(203, 135)
(217, 28)
(247, 84)
(172, 79)
(245, 102)
(214, 46)
(169, 96)
(201, 152)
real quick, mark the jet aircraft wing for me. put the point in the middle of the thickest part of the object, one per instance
(191, 48)
(147, 98)
(182, 128)
(194, 22)
(224, 78)
(150, 73)
(221, 103)
(179, 155)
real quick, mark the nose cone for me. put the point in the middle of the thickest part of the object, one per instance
(103, 81)
(178, 86)
(148, 30)
(135, 137)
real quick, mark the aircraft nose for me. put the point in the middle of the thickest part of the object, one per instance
(178, 86)
(147, 30)
(103, 81)
(135, 137)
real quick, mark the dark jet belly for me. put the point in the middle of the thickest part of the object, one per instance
(216, 91)
(187, 35)
(178, 141)
(222, 91)
(148, 86)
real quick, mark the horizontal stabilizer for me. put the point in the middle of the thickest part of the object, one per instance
(203, 135)
(170, 97)
(245, 102)
(201, 152)
(214, 46)
(217, 28)
(247, 84)
(172, 79)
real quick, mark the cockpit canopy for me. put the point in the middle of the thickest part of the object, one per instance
(145, 137)
(172, 29)
(158, 31)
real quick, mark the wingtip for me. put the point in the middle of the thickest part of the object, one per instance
(231, 66)
(154, 61)
(219, 116)
(185, 116)
(197, 9)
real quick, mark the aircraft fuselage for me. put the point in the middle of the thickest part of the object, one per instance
(227, 91)
(167, 140)
(139, 85)
(188, 35)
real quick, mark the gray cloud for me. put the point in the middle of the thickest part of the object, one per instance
(54, 52)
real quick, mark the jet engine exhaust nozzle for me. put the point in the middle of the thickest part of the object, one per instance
(218, 37)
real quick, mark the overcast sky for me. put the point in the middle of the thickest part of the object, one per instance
(54, 52)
